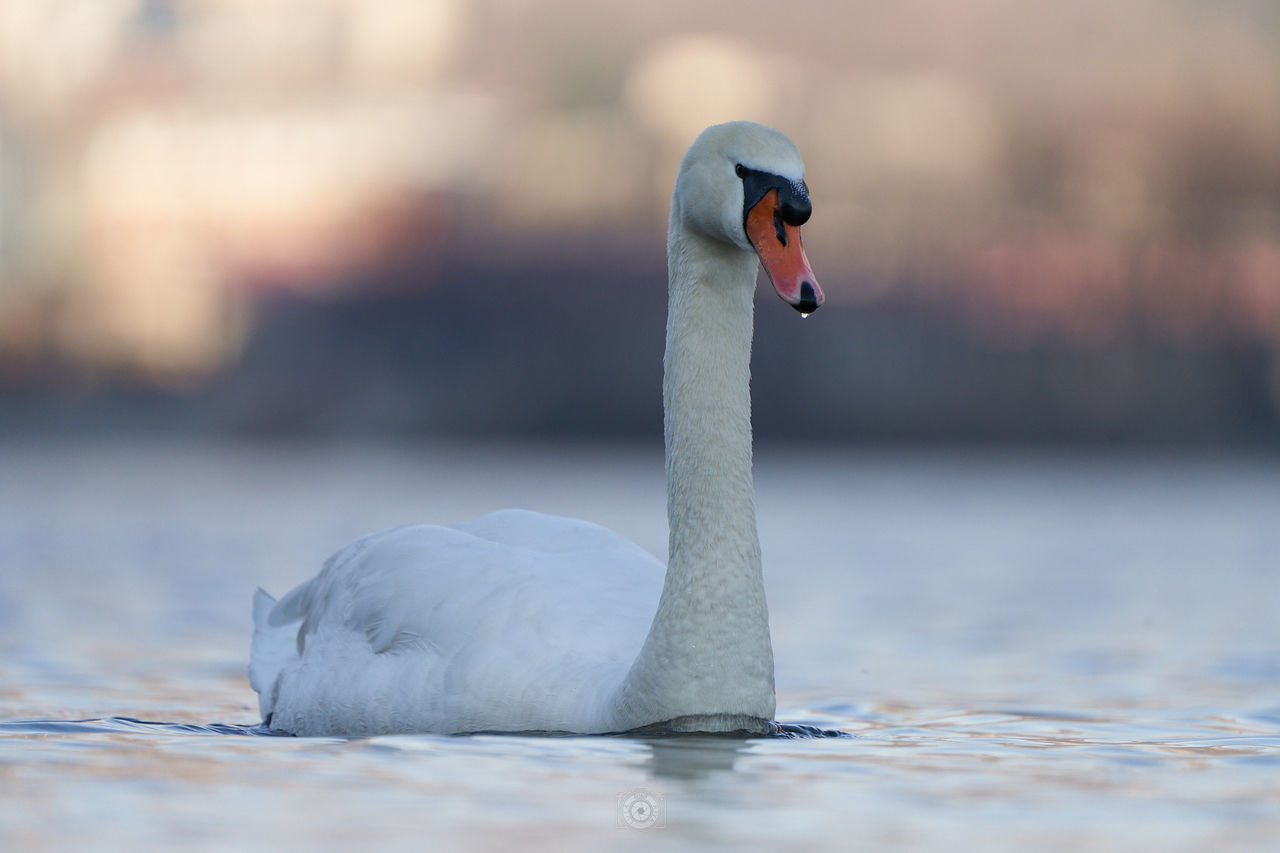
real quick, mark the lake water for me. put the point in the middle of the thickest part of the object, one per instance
(1030, 652)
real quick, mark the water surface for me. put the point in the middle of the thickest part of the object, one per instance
(1029, 651)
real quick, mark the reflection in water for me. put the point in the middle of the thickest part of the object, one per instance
(914, 770)
(693, 757)
(118, 725)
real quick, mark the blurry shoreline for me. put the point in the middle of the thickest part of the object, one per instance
(526, 343)
(1033, 223)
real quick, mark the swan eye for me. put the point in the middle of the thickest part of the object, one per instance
(740, 170)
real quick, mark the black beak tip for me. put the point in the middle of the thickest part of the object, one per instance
(808, 299)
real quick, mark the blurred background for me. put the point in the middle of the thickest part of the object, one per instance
(1046, 223)
(430, 234)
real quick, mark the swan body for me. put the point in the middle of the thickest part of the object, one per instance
(520, 621)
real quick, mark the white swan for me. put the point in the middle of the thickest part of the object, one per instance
(527, 622)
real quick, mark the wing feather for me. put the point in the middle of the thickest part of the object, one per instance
(509, 614)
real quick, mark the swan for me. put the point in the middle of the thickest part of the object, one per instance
(522, 622)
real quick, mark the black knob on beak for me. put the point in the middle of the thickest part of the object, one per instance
(795, 209)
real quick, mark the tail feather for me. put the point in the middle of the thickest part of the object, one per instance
(274, 647)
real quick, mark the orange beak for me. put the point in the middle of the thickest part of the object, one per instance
(782, 254)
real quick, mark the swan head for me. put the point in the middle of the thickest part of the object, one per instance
(742, 183)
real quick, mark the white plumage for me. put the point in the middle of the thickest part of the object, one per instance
(506, 623)
(526, 622)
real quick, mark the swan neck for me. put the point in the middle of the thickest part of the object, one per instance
(707, 654)
(707, 406)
